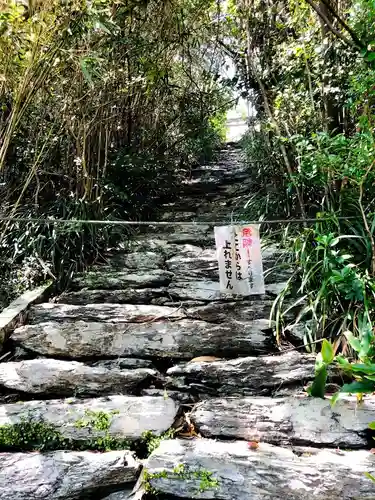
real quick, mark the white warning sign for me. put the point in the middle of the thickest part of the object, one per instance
(240, 260)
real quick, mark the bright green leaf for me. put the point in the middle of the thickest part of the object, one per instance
(358, 388)
(353, 341)
(327, 351)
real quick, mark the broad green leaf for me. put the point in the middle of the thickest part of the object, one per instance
(319, 363)
(318, 387)
(327, 351)
(358, 387)
(371, 426)
(353, 341)
(343, 362)
(368, 369)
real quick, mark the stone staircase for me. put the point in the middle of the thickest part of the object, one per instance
(146, 343)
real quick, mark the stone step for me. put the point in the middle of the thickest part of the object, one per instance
(287, 421)
(64, 475)
(113, 280)
(123, 494)
(165, 248)
(123, 296)
(249, 376)
(205, 265)
(233, 471)
(221, 312)
(65, 378)
(109, 313)
(245, 310)
(83, 420)
(184, 339)
(209, 291)
(180, 234)
(137, 260)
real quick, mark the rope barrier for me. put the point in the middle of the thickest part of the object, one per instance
(168, 223)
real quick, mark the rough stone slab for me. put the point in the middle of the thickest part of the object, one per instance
(182, 397)
(117, 280)
(128, 296)
(165, 248)
(124, 363)
(202, 234)
(243, 376)
(274, 289)
(130, 313)
(204, 264)
(137, 260)
(63, 475)
(268, 473)
(182, 339)
(224, 311)
(52, 376)
(130, 416)
(120, 495)
(177, 216)
(285, 421)
(112, 313)
(16, 309)
(204, 289)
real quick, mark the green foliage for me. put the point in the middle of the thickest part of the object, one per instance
(30, 434)
(146, 105)
(151, 441)
(181, 472)
(360, 369)
(332, 265)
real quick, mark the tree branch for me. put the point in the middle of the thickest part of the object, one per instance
(346, 27)
(336, 32)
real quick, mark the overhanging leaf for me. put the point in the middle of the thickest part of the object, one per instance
(358, 388)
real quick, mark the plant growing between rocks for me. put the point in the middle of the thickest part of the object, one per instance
(182, 473)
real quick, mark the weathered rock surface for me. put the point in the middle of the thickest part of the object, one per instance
(52, 376)
(129, 416)
(164, 248)
(63, 475)
(126, 296)
(183, 339)
(284, 421)
(193, 234)
(16, 310)
(110, 313)
(120, 495)
(267, 473)
(243, 376)
(124, 363)
(204, 264)
(205, 290)
(119, 280)
(223, 311)
(209, 291)
(138, 260)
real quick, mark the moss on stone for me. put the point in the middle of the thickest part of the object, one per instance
(30, 434)
(150, 441)
(181, 473)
